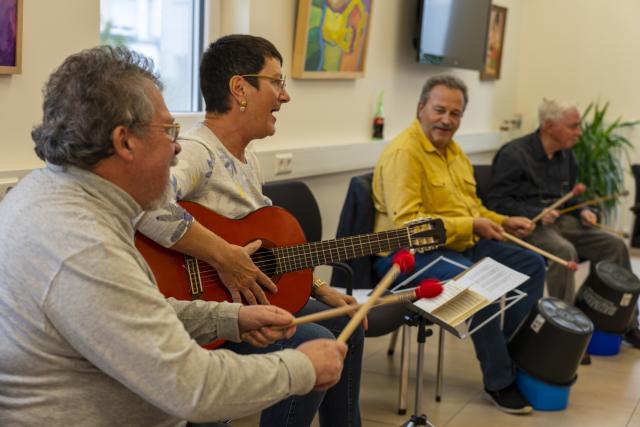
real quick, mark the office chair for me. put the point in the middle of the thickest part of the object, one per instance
(482, 174)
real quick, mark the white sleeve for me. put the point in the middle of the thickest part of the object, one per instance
(168, 224)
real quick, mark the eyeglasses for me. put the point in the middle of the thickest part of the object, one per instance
(171, 130)
(280, 81)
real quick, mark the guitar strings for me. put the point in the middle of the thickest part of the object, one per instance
(298, 256)
(268, 265)
(295, 253)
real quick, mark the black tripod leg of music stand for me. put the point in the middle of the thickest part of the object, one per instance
(418, 418)
(440, 365)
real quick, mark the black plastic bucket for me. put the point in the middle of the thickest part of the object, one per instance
(551, 341)
(609, 297)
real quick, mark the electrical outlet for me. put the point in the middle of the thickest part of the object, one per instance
(284, 163)
(7, 184)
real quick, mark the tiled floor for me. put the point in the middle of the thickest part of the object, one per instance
(607, 392)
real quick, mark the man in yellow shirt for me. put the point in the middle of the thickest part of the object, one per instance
(423, 172)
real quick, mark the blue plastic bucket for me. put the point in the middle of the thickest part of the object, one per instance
(542, 395)
(604, 344)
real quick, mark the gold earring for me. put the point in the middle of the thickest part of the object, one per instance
(243, 105)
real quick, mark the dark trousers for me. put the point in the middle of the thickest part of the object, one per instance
(570, 240)
(337, 407)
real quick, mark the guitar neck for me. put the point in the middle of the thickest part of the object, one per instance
(308, 255)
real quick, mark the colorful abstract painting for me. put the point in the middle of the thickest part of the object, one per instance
(331, 38)
(10, 36)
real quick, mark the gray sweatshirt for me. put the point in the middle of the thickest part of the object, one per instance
(86, 338)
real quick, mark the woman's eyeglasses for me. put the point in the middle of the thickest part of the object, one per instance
(280, 81)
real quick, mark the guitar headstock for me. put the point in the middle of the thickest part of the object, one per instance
(426, 234)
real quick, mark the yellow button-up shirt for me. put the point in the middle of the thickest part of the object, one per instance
(413, 179)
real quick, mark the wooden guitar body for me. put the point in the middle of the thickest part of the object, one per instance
(275, 226)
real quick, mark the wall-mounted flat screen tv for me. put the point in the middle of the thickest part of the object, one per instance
(453, 33)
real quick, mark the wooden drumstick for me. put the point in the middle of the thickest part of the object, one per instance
(603, 227)
(402, 261)
(429, 288)
(571, 265)
(593, 202)
(577, 190)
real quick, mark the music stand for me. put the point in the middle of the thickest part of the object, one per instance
(419, 319)
(418, 418)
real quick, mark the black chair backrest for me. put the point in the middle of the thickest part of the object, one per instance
(297, 198)
(482, 174)
(357, 217)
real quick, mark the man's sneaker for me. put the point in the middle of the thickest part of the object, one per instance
(509, 400)
(632, 336)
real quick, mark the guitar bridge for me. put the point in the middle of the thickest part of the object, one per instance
(193, 269)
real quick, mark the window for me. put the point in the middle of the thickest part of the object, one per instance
(170, 32)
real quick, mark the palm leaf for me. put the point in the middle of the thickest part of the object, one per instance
(602, 153)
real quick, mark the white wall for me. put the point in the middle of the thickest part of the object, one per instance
(585, 50)
(52, 31)
(340, 111)
(322, 113)
(582, 50)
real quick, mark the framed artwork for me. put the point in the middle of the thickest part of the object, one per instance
(10, 36)
(495, 43)
(331, 39)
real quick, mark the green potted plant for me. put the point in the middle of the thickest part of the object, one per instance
(600, 152)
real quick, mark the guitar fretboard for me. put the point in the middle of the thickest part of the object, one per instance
(308, 255)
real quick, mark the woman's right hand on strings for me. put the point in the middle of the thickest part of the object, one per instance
(241, 276)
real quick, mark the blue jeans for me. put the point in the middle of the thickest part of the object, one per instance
(490, 342)
(338, 406)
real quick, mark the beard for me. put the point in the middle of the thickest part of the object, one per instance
(167, 196)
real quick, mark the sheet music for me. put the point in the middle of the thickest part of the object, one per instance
(456, 311)
(450, 290)
(491, 279)
(484, 282)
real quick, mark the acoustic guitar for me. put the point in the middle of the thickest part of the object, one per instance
(285, 255)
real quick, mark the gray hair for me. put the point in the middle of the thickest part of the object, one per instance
(90, 94)
(449, 81)
(551, 109)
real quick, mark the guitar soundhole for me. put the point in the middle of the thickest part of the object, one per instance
(266, 262)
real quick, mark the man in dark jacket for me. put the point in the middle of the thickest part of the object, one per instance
(533, 171)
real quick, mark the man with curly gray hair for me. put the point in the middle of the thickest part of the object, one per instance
(85, 334)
